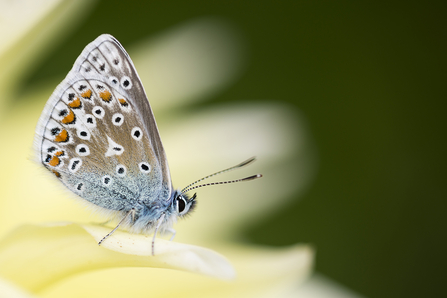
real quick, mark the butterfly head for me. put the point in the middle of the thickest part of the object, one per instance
(182, 204)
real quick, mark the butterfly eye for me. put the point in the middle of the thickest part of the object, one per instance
(182, 206)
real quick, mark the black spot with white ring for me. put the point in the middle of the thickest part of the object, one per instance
(117, 119)
(55, 131)
(114, 80)
(126, 83)
(136, 133)
(63, 113)
(82, 150)
(145, 168)
(84, 134)
(121, 170)
(98, 112)
(74, 165)
(80, 187)
(90, 121)
(106, 180)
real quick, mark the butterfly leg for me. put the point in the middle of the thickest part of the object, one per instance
(160, 220)
(131, 212)
(173, 232)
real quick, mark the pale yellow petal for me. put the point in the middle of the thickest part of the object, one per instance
(9, 290)
(189, 62)
(261, 272)
(53, 253)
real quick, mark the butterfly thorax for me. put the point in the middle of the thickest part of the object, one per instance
(147, 215)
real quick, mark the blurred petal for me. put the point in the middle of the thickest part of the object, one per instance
(8, 290)
(261, 272)
(319, 286)
(189, 62)
(52, 253)
(28, 28)
(217, 138)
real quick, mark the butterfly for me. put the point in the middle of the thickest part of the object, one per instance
(98, 136)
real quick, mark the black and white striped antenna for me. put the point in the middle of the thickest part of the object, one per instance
(242, 164)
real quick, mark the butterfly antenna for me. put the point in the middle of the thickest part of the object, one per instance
(242, 164)
(224, 182)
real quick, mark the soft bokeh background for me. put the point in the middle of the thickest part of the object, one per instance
(369, 77)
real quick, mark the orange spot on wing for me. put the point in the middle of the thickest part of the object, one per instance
(75, 104)
(62, 136)
(123, 102)
(105, 95)
(87, 94)
(59, 153)
(58, 175)
(70, 118)
(54, 161)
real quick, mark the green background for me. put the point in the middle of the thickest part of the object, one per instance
(370, 77)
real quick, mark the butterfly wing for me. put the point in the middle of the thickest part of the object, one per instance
(98, 134)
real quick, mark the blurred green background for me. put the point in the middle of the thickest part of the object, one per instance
(370, 77)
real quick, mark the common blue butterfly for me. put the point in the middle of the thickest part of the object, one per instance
(98, 136)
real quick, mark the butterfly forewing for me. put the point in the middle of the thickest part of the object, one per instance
(107, 57)
(97, 133)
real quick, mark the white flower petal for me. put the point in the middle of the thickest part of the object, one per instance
(261, 272)
(189, 62)
(19, 17)
(52, 253)
(168, 254)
